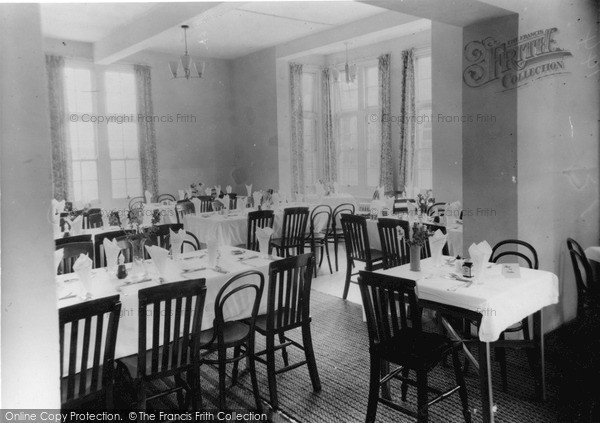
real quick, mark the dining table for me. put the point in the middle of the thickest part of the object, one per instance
(187, 266)
(496, 299)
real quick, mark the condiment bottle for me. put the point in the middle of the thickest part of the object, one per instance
(467, 267)
(121, 270)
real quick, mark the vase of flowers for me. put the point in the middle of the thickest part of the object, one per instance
(419, 236)
(138, 236)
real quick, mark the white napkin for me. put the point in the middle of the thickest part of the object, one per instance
(257, 195)
(160, 257)
(452, 212)
(197, 205)
(226, 201)
(189, 193)
(241, 203)
(381, 192)
(480, 255)
(105, 219)
(148, 196)
(208, 191)
(212, 249)
(275, 197)
(181, 194)
(77, 226)
(58, 256)
(436, 243)
(176, 239)
(218, 188)
(264, 237)
(249, 190)
(228, 189)
(83, 269)
(111, 252)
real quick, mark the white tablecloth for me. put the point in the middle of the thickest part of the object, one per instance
(106, 284)
(593, 253)
(501, 301)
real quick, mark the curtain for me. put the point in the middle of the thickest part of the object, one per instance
(61, 152)
(386, 175)
(146, 134)
(329, 151)
(297, 122)
(407, 121)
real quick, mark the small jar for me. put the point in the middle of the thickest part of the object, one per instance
(121, 270)
(467, 268)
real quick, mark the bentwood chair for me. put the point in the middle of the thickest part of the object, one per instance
(588, 293)
(393, 242)
(292, 232)
(136, 202)
(390, 303)
(190, 242)
(436, 209)
(337, 234)
(81, 328)
(171, 315)
(318, 233)
(236, 334)
(183, 208)
(288, 308)
(358, 248)
(257, 219)
(205, 204)
(166, 197)
(71, 252)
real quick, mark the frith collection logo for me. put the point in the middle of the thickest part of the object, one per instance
(516, 62)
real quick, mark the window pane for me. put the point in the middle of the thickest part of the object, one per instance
(88, 170)
(117, 168)
(372, 86)
(308, 86)
(89, 190)
(119, 188)
(133, 168)
(87, 149)
(424, 67)
(76, 171)
(134, 187)
(424, 90)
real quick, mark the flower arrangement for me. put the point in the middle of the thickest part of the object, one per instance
(419, 235)
(424, 201)
(140, 233)
(196, 188)
(266, 201)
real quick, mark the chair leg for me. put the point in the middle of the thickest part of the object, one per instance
(422, 397)
(141, 395)
(309, 353)
(222, 375)
(284, 354)
(460, 381)
(180, 398)
(252, 369)
(328, 258)
(500, 354)
(348, 276)
(234, 373)
(404, 387)
(373, 389)
(335, 251)
(271, 371)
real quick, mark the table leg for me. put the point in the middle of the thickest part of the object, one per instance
(485, 382)
(538, 341)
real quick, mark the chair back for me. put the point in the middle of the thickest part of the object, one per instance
(190, 241)
(437, 209)
(183, 208)
(393, 242)
(136, 203)
(295, 220)
(99, 256)
(584, 278)
(92, 219)
(74, 238)
(288, 299)
(205, 204)
(160, 234)
(515, 248)
(71, 252)
(320, 221)
(86, 337)
(385, 299)
(258, 219)
(356, 238)
(166, 197)
(173, 313)
(401, 205)
(345, 208)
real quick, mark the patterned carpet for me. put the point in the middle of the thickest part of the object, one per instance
(341, 348)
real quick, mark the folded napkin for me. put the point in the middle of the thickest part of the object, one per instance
(241, 203)
(181, 194)
(197, 204)
(452, 212)
(111, 252)
(148, 196)
(208, 191)
(77, 225)
(228, 189)
(212, 250)
(249, 190)
(218, 189)
(480, 255)
(160, 257)
(58, 256)
(176, 239)
(83, 269)
(436, 243)
(264, 237)
(189, 193)
(226, 202)
(257, 196)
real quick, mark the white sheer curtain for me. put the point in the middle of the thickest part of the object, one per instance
(296, 123)
(329, 149)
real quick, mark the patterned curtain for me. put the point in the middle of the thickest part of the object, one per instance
(297, 122)
(61, 151)
(407, 122)
(146, 134)
(386, 175)
(329, 151)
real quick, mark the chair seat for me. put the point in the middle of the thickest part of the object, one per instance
(416, 350)
(131, 362)
(261, 322)
(234, 333)
(88, 386)
(281, 243)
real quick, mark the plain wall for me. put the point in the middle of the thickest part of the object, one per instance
(30, 350)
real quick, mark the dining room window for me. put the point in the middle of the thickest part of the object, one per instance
(310, 107)
(423, 144)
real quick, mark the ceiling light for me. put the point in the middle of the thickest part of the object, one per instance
(350, 70)
(187, 67)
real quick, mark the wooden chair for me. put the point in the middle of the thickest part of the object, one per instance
(160, 234)
(236, 334)
(337, 234)
(82, 383)
(183, 208)
(232, 201)
(257, 219)
(393, 243)
(173, 315)
(288, 308)
(136, 202)
(92, 219)
(588, 295)
(390, 303)
(163, 197)
(317, 235)
(426, 251)
(71, 252)
(358, 248)
(292, 233)
(401, 205)
(205, 204)
(437, 209)
(99, 257)
(74, 238)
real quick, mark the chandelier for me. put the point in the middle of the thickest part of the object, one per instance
(187, 67)
(349, 70)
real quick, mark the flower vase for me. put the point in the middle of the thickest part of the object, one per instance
(137, 256)
(415, 258)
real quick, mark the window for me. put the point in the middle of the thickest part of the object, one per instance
(359, 139)
(123, 134)
(310, 115)
(423, 151)
(81, 133)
